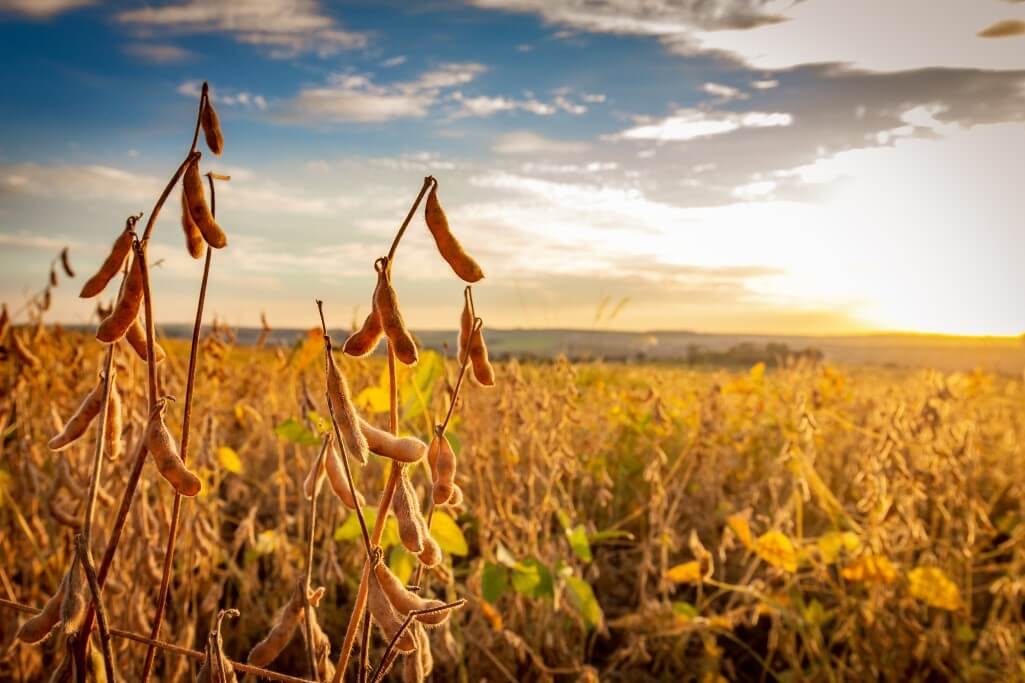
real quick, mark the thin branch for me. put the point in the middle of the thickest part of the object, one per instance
(311, 654)
(428, 181)
(86, 558)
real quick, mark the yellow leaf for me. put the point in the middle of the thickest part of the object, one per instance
(757, 372)
(870, 569)
(832, 544)
(374, 399)
(448, 535)
(933, 587)
(775, 548)
(741, 528)
(687, 572)
(229, 459)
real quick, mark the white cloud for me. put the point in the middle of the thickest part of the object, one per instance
(356, 98)
(398, 60)
(42, 9)
(486, 105)
(285, 27)
(767, 84)
(230, 98)
(526, 142)
(689, 124)
(157, 53)
(723, 92)
(592, 98)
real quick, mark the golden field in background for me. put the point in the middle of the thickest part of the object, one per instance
(621, 522)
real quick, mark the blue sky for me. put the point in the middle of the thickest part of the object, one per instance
(722, 165)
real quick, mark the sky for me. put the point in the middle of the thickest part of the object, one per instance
(761, 166)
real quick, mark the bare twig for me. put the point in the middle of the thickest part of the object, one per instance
(380, 670)
(86, 558)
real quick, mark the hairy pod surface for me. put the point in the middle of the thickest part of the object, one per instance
(115, 423)
(195, 196)
(365, 339)
(405, 601)
(407, 512)
(212, 127)
(40, 626)
(73, 606)
(405, 449)
(449, 247)
(442, 460)
(108, 269)
(431, 555)
(115, 325)
(165, 455)
(483, 371)
(386, 617)
(314, 478)
(387, 305)
(465, 330)
(76, 425)
(194, 241)
(288, 618)
(339, 484)
(354, 443)
(135, 335)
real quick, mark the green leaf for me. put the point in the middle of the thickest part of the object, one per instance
(229, 459)
(320, 423)
(609, 535)
(416, 394)
(532, 579)
(684, 609)
(582, 598)
(494, 581)
(401, 563)
(578, 541)
(448, 535)
(292, 430)
(349, 529)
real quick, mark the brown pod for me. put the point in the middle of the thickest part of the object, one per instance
(74, 603)
(165, 454)
(126, 309)
(193, 237)
(365, 339)
(405, 601)
(264, 652)
(53, 277)
(483, 371)
(196, 199)
(465, 330)
(387, 305)
(114, 425)
(423, 647)
(456, 499)
(405, 449)
(26, 357)
(212, 127)
(5, 321)
(431, 555)
(40, 626)
(115, 259)
(354, 443)
(451, 250)
(66, 263)
(406, 506)
(386, 617)
(413, 669)
(75, 427)
(315, 477)
(442, 460)
(339, 483)
(136, 337)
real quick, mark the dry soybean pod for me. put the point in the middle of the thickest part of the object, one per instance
(66, 263)
(407, 512)
(74, 603)
(288, 618)
(114, 425)
(405, 601)
(405, 449)
(315, 478)
(385, 615)
(451, 250)
(465, 325)
(75, 426)
(126, 310)
(387, 304)
(355, 444)
(339, 484)
(483, 371)
(195, 196)
(193, 237)
(442, 460)
(21, 351)
(135, 335)
(165, 454)
(115, 259)
(365, 339)
(211, 124)
(40, 626)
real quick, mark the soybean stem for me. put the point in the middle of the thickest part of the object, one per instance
(428, 181)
